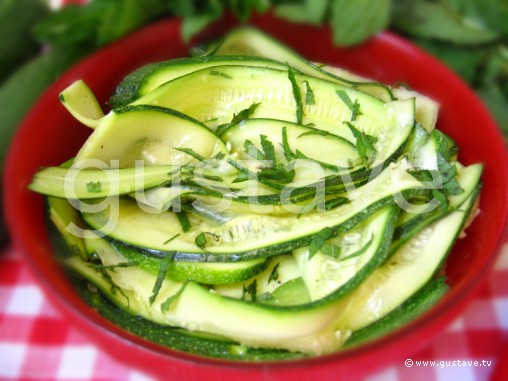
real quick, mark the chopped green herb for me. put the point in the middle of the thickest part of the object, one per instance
(354, 107)
(364, 143)
(171, 239)
(220, 74)
(252, 151)
(191, 152)
(94, 187)
(200, 241)
(250, 290)
(274, 275)
(448, 173)
(237, 118)
(183, 219)
(268, 149)
(167, 303)
(219, 156)
(331, 167)
(296, 94)
(241, 177)
(281, 173)
(285, 146)
(163, 269)
(319, 239)
(309, 95)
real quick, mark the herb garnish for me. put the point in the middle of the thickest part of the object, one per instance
(191, 152)
(237, 118)
(274, 275)
(296, 95)
(354, 107)
(220, 74)
(309, 95)
(94, 187)
(364, 143)
(163, 269)
(250, 290)
(319, 239)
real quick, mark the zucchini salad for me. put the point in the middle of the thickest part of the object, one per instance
(247, 203)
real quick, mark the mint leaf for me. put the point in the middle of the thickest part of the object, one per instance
(191, 152)
(309, 95)
(364, 143)
(285, 145)
(268, 149)
(237, 118)
(354, 22)
(296, 94)
(94, 187)
(274, 275)
(354, 107)
(163, 269)
(220, 74)
(200, 241)
(319, 239)
(250, 290)
(311, 11)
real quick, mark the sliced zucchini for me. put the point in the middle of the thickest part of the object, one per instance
(149, 77)
(248, 236)
(86, 183)
(413, 265)
(147, 135)
(220, 97)
(80, 101)
(250, 41)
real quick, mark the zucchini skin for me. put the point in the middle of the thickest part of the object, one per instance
(177, 339)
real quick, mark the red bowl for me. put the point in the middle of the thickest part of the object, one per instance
(49, 135)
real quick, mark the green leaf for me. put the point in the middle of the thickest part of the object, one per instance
(311, 11)
(438, 21)
(354, 107)
(191, 152)
(281, 173)
(220, 74)
(195, 24)
(251, 291)
(285, 145)
(244, 8)
(94, 187)
(201, 241)
(353, 22)
(319, 239)
(296, 94)
(364, 143)
(309, 95)
(274, 275)
(252, 151)
(167, 303)
(237, 118)
(268, 149)
(172, 238)
(163, 269)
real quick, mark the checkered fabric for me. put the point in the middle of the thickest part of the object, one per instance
(37, 343)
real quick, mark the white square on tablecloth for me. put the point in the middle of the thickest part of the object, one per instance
(462, 373)
(501, 308)
(25, 301)
(11, 359)
(77, 363)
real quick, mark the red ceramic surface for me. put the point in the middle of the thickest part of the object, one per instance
(49, 135)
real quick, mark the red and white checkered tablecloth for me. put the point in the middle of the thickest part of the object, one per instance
(37, 343)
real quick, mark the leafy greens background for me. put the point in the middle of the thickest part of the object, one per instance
(470, 36)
